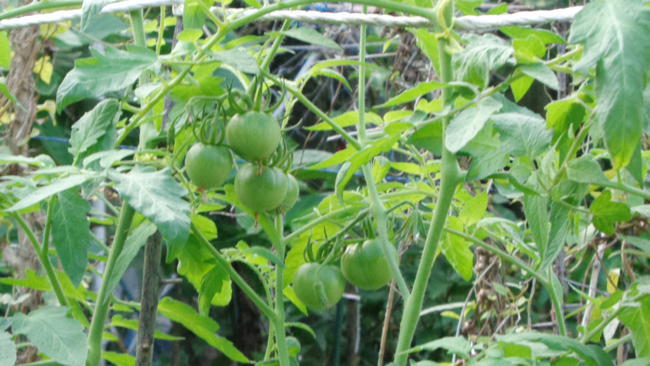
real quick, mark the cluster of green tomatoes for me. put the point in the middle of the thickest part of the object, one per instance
(254, 136)
(261, 187)
(321, 286)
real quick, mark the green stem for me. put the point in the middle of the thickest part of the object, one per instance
(103, 303)
(600, 326)
(307, 103)
(450, 178)
(280, 333)
(161, 30)
(556, 299)
(276, 45)
(618, 343)
(320, 220)
(377, 208)
(225, 265)
(43, 255)
(38, 6)
(504, 256)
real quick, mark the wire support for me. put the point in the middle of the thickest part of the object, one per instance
(484, 22)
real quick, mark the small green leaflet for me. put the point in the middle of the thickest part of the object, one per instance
(118, 321)
(481, 55)
(541, 73)
(119, 359)
(467, 124)
(522, 135)
(547, 37)
(585, 170)
(638, 320)
(204, 327)
(92, 126)
(54, 334)
(536, 209)
(89, 10)
(5, 51)
(132, 246)
(614, 33)
(309, 35)
(411, 94)
(47, 191)
(193, 14)
(474, 209)
(70, 233)
(456, 345)
(113, 71)
(212, 284)
(346, 120)
(7, 350)
(158, 197)
(239, 59)
(560, 224)
(593, 356)
(606, 212)
(457, 250)
(487, 157)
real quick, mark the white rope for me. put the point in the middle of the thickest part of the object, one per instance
(484, 22)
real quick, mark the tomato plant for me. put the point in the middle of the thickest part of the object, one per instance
(482, 179)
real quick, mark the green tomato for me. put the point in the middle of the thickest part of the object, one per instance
(365, 266)
(260, 190)
(253, 135)
(293, 191)
(318, 287)
(208, 166)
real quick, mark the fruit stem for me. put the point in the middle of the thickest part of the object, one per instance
(377, 209)
(280, 336)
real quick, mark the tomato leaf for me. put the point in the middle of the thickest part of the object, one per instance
(467, 124)
(40, 194)
(606, 212)
(158, 197)
(7, 350)
(5, 51)
(457, 345)
(91, 9)
(481, 55)
(70, 233)
(613, 33)
(522, 135)
(487, 157)
(411, 94)
(312, 36)
(203, 326)
(95, 130)
(104, 73)
(54, 334)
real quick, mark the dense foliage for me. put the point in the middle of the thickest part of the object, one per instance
(281, 194)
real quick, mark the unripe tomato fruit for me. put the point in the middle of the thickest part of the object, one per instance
(293, 191)
(308, 281)
(208, 166)
(260, 190)
(365, 266)
(253, 135)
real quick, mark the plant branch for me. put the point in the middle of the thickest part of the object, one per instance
(102, 305)
(223, 262)
(43, 255)
(280, 333)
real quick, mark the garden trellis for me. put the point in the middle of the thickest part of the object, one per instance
(485, 22)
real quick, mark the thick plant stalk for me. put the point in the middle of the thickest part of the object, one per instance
(101, 307)
(280, 333)
(149, 301)
(450, 178)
